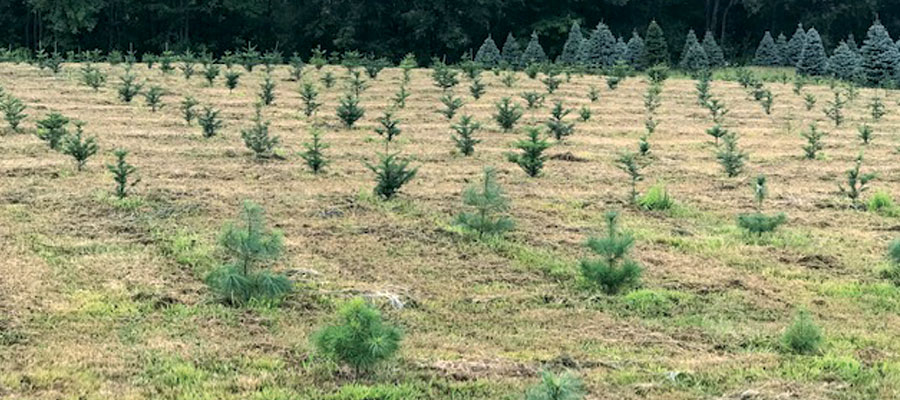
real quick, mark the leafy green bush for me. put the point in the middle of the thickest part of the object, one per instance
(656, 199)
(391, 174)
(803, 336)
(614, 271)
(564, 386)
(249, 246)
(489, 204)
(360, 338)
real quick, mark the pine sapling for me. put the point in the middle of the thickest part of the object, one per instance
(13, 111)
(809, 100)
(250, 247)
(465, 130)
(349, 110)
(357, 83)
(834, 109)
(210, 122)
(257, 137)
(614, 271)
(564, 386)
(489, 206)
(532, 157)
(129, 89)
(92, 76)
(814, 143)
(758, 223)
(122, 172)
(803, 336)
(856, 183)
(551, 82)
(79, 148)
(477, 88)
(717, 110)
(267, 91)
(210, 73)
(309, 94)
(389, 129)
(865, 133)
(508, 113)
(451, 104)
(717, 132)
(328, 79)
(584, 113)
(359, 338)
(730, 156)
(877, 109)
(231, 79)
(560, 129)
(633, 165)
(593, 94)
(314, 156)
(509, 79)
(187, 109)
(391, 173)
(52, 129)
(153, 97)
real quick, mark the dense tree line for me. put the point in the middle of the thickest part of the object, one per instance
(392, 28)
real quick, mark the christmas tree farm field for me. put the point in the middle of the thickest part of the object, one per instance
(222, 256)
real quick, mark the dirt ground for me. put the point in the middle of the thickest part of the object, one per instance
(98, 301)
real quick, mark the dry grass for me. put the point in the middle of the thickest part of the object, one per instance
(93, 305)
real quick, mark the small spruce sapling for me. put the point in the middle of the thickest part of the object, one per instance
(210, 73)
(758, 223)
(557, 127)
(122, 172)
(328, 79)
(359, 338)
(267, 91)
(614, 271)
(389, 129)
(187, 109)
(314, 155)
(551, 82)
(92, 76)
(876, 108)
(809, 100)
(52, 129)
(509, 79)
(451, 104)
(593, 94)
(231, 79)
(357, 84)
(834, 109)
(814, 143)
(210, 122)
(391, 173)
(465, 130)
(803, 336)
(153, 97)
(508, 113)
(532, 157)
(856, 183)
(309, 95)
(257, 137)
(632, 164)
(128, 89)
(13, 111)
(717, 132)
(401, 96)
(730, 156)
(489, 206)
(349, 110)
(78, 147)
(477, 88)
(584, 113)
(865, 133)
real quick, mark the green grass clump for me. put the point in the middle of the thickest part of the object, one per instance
(881, 202)
(656, 199)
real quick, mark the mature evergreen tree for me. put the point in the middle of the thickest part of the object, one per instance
(767, 53)
(635, 55)
(795, 46)
(656, 50)
(845, 64)
(693, 57)
(813, 60)
(572, 46)
(534, 53)
(512, 52)
(599, 49)
(880, 56)
(782, 44)
(488, 54)
(621, 53)
(851, 43)
(713, 51)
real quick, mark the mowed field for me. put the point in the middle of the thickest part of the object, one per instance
(101, 298)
